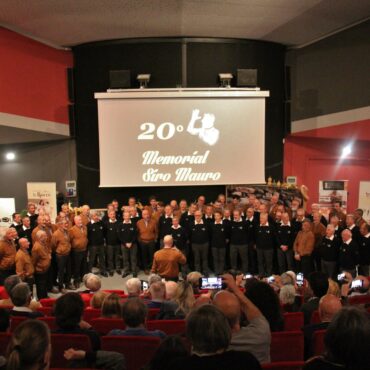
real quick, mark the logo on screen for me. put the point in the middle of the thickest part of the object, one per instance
(206, 132)
(204, 129)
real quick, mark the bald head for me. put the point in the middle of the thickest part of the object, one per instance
(229, 305)
(328, 307)
(171, 289)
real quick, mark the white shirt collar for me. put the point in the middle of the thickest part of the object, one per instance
(287, 224)
(367, 235)
(266, 224)
(127, 222)
(351, 227)
(112, 222)
(251, 219)
(199, 223)
(22, 309)
(25, 228)
(218, 223)
(227, 218)
(175, 228)
(240, 220)
(170, 216)
(348, 241)
(331, 238)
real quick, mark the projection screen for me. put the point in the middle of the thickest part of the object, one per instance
(181, 137)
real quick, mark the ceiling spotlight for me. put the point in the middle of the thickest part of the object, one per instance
(143, 80)
(346, 151)
(225, 79)
(10, 156)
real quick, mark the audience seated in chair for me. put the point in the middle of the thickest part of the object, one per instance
(21, 297)
(180, 305)
(97, 299)
(111, 308)
(68, 316)
(9, 283)
(346, 341)
(255, 337)
(157, 293)
(329, 305)
(92, 283)
(133, 287)
(318, 285)
(4, 320)
(29, 347)
(209, 333)
(171, 348)
(267, 301)
(193, 278)
(289, 299)
(134, 312)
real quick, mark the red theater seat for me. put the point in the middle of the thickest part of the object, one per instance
(318, 342)
(287, 346)
(315, 318)
(359, 299)
(47, 302)
(49, 321)
(4, 341)
(138, 351)
(62, 342)
(103, 326)
(15, 321)
(170, 327)
(152, 313)
(3, 293)
(47, 311)
(91, 313)
(293, 321)
(284, 365)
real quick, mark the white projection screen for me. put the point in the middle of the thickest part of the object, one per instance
(181, 137)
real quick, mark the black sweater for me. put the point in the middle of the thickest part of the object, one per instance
(126, 232)
(238, 233)
(265, 237)
(219, 234)
(180, 237)
(329, 249)
(95, 233)
(199, 233)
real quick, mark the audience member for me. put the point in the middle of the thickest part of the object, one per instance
(289, 299)
(180, 305)
(134, 312)
(318, 285)
(267, 301)
(133, 287)
(29, 347)
(209, 333)
(255, 337)
(92, 283)
(21, 297)
(193, 279)
(346, 341)
(157, 293)
(68, 312)
(111, 307)
(171, 348)
(171, 289)
(329, 305)
(9, 283)
(97, 299)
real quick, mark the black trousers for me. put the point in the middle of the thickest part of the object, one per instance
(5, 273)
(242, 251)
(305, 265)
(114, 257)
(79, 260)
(97, 251)
(129, 258)
(200, 252)
(285, 260)
(147, 252)
(41, 280)
(64, 270)
(265, 260)
(52, 272)
(219, 260)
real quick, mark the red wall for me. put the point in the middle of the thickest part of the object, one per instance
(33, 78)
(315, 159)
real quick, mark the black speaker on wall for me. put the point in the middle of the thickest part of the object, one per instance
(71, 84)
(72, 120)
(120, 79)
(246, 77)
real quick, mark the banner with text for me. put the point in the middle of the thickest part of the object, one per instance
(44, 196)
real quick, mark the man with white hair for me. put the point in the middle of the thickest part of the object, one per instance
(23, 263)
(85, 214)
(329, 251)
(7, 254)
(348, 253)
(166, 261)
(133, 287)
(92, 282)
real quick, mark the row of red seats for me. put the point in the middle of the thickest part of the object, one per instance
(285, 346)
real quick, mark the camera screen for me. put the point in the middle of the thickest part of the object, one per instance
(211, 283)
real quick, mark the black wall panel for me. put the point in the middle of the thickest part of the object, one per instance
(205, 58)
